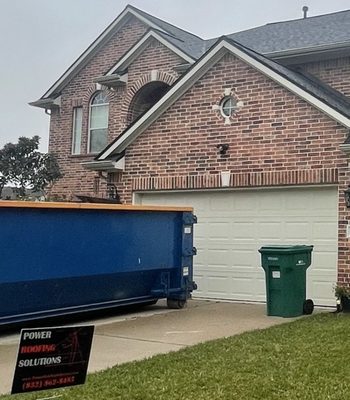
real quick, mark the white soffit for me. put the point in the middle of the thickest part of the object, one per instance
(117, 24)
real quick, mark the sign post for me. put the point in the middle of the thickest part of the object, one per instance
(50, 358)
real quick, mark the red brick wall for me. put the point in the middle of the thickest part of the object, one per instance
(275, 134)
(276, 138)
(335, 73)
(79, 91)
(274, 131)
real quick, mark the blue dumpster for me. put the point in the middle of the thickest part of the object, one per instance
(64, 258)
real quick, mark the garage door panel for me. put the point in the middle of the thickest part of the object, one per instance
(320, 289)
(320, 265)
(242, 204)
(294, 202)
(233, 225)
(245, 291)
(297, 231)
(201, 281)
(260, 289)
(218, 285)
(267, 230)
(320, 204)
(323, 229)
(243, 258)
(271, 204)
(242, 230)
(218, 257)
(220, 204)
(219, 230)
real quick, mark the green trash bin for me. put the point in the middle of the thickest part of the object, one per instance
(285, 271)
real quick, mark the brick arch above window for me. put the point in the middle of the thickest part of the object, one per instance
(153, 76)
(93, 89)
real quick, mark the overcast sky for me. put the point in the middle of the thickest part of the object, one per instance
(40, 39)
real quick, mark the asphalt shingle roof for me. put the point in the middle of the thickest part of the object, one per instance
(309, 84)
(322, 30)
(305, 81)
(186, 41)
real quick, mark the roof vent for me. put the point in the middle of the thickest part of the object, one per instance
(305, 10)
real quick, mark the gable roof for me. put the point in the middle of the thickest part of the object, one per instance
(168, 41)
(295, 36)
(180, 35)
(191, 43)
(281, 39)
(312, 92)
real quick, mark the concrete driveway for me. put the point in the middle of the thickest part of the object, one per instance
(154, 330)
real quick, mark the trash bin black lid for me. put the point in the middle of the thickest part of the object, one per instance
(286, 249)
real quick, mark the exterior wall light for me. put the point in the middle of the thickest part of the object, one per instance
(222, 148)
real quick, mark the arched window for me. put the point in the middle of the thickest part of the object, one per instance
(98, 122)
(145, 98)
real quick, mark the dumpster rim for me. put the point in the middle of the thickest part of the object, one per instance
(90, 206)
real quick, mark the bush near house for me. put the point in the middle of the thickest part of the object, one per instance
(22, 165)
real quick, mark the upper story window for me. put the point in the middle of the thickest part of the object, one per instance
(77, 129)
(98, 122)
(228, 106)
(145, 98)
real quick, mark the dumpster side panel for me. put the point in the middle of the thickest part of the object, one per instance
(54, 259)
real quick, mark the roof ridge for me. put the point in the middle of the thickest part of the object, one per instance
(152, 17)
(307, 18)
(276, 23)
(284, 70)
(298, 84)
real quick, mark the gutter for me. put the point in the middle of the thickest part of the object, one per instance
(304, 51)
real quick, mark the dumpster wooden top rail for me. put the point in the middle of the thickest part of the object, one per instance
(90, 206)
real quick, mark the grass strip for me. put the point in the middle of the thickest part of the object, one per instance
(305, 359)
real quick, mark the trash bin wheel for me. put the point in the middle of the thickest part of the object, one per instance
(176, 304)
(308, 307)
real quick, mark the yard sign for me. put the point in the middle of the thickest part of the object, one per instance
(50, 358)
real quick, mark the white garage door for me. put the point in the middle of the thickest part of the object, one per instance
(233, 225)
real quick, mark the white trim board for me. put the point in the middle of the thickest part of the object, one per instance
(195, 73)
(82, 60)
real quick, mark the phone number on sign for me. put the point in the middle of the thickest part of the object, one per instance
(48, 382)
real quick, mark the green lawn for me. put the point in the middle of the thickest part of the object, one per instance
(306, 359)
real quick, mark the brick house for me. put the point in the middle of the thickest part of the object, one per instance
(252, 129)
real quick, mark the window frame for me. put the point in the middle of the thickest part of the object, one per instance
(231, 108)
(91, 105)
(74, 130)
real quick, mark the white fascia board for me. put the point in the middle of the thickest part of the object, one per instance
(166, 101)
(320, 105)
(135, 51)
(145, 20)
(302, 51)
(345, 148)
(198, 70)
(116, 25)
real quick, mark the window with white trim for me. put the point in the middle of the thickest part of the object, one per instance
(77, 129)
(228, 106)
(98, 122)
